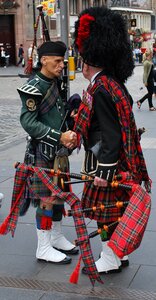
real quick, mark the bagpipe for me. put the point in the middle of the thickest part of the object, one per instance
(71, 104)
(30, 70)
(130, 227)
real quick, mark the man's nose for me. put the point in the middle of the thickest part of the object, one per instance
(62, 64)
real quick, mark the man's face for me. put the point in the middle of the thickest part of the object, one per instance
(52, 66)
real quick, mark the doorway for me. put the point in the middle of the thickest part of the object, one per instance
(7, 36)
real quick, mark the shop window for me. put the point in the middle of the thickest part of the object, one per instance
(153, 21)
(85, 4)
(96, 3)
(53, 24)
(73, 7)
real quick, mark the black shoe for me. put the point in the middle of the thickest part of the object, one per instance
(85, 271)
(73, 251)
(66, 260)
(124, 263)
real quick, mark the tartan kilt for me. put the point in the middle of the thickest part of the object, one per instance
(95, 196)
(37, 185)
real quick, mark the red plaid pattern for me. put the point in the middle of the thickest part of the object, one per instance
(23, 173)
(94, 196)
(82, 122)
(130, 230)
(131, 156)
(10, 222)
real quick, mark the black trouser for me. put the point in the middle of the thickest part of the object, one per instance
(3, 61)
(154, 76)
(20, 60)
(150, 88)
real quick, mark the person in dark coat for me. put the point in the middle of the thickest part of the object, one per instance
(105, 122)
(20, 54)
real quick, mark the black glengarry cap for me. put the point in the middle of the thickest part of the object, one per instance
(52, 49)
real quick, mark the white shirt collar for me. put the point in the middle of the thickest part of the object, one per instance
(93, 77)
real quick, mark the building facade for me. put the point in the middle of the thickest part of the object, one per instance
(17, 26)
(17, 19)
(140, 15)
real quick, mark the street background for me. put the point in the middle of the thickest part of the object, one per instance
(21, 276)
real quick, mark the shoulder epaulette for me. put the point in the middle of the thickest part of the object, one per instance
(29, 89)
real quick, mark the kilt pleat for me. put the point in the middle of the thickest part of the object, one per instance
(38, 185)
(95, 196)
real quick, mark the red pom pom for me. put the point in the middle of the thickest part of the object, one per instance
(83, 30)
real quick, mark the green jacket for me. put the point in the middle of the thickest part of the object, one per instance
(42, 110)
(147, 69)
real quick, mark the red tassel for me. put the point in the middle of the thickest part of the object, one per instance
(3, 226)
(28, 69)
(75, 275)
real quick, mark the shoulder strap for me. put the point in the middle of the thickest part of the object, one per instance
(29, 89)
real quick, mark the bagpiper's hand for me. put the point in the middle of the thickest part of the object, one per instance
(100, 182)
(74, 114)
(69, 139)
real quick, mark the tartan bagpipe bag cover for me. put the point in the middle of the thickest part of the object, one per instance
(130, 230)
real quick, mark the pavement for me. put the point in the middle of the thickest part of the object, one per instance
(21, 276)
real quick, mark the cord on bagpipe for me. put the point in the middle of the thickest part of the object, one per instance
(83, 177)
(30, 69)
(45, 35)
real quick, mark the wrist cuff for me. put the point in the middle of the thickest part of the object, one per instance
(106, 171)
(52, 137)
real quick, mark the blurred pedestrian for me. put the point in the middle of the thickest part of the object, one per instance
(20, 54)
(154, 70)
(2, 57)
(137, 53)
(148, 80)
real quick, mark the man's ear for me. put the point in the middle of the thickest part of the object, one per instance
(43, 60)
(85, 67)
